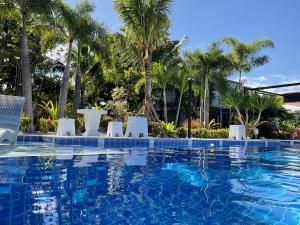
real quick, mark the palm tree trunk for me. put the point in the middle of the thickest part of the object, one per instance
(247, 116)
(77, 82)
(201, 112)
(178, 107)
(258, 119)
(165, 105)
(240, 81)
(148, 87)
(26, 73)
(206, 102)
(239, 116)
(64, 85)
(82, 91)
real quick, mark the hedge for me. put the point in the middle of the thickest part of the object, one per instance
(210, 133)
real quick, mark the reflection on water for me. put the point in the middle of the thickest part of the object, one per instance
(137, 186)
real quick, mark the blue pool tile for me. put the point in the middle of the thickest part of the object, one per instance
(296, 142)
(205, 143)
(228, 143)
(256, 143)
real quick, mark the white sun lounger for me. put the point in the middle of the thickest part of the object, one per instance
(137, 127)
(11, 108)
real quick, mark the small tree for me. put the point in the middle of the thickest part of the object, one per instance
(118, 106)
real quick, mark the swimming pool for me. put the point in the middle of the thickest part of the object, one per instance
(48, 184)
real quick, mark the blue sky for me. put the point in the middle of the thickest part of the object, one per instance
(204, 21)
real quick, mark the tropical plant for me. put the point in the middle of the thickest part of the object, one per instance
(162, 78)
(47, 125)
(88, 31)
(118, 106)
(210, 133)
(245, 56)
(50, 108)
(65, 30)
(180, 83)
(25, 123)
(146, 26)
(26, 10)
(169, 128)
(211, 66)
(296, 133)
(244, 101)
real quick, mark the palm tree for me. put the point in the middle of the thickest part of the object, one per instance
(88, 31)
(180, 83)
(67, 23)
(146, 24)
(27, 9)
(162, 78)
(245, 56)
(211, 66)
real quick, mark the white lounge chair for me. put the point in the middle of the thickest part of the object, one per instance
(11, 108)
(137, 127)
(66, 127)
(237, 132)
(115, 129)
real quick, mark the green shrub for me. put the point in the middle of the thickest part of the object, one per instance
(169, 129)
(296, 133)
(79, 125)
(47, 125)
(25, 123)
(155, 130)
(182, 132)
(210, 133)
(105, 119)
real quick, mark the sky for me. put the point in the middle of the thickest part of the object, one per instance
(204, 21)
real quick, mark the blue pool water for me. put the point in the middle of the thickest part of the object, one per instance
(73, 185)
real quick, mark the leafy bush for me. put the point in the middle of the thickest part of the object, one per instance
(210, 133)
(25, 123)
(50, 108)
(105, 119)
(118, 106)
(196, 123)
(296, 133)
(155, 130)
(47, 125)
(169, 129)
(182, 133)
(79, 125)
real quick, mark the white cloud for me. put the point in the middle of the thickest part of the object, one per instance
(274, 79)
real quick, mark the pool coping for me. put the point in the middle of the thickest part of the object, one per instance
(123, 142)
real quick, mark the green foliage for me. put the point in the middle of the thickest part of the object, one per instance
(169, 129)
(118, 106)
(25, 123)
(296, 133)
(50, 108)
(210, 133)
(98, 107)
(80, 125)
(105, 119)
(245, 56)
(47, 125)
(145, 22)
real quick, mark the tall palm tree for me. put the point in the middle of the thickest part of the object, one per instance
(27, 9)
(162, 78)
(146, 24)
(211, 66)
(88, 31)
(67, 22)
(180, 83)
(245, 56)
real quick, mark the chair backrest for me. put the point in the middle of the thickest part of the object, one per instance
(11, 108)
